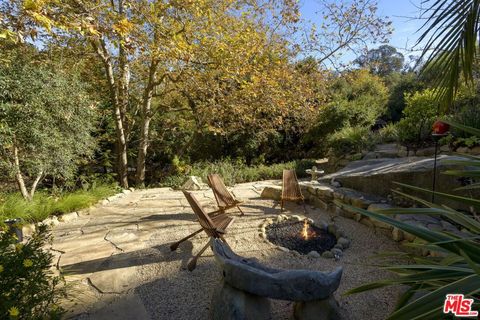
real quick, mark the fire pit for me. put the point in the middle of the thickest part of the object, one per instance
(300, 236)
(304, 236)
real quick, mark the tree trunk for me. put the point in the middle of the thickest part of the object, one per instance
(19, 176)
(122, 165)
(35, 184)
(142, 151)
(146, 113)
(121, 107)
(118, 98)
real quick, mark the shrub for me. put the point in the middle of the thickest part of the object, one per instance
(400, 84)
(466, 142)
(466, 111)
(236, 171)
(414, 130)
(389, 133)
(331, 117)
(362, 96)
(28, 288)
(13, 205)
(350, 140)
(357, 100)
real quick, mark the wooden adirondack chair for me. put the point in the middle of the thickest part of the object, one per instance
(225, 199)
(291, 189)
(214, 226)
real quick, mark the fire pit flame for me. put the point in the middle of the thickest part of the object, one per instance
(306, 231)
(301, 235)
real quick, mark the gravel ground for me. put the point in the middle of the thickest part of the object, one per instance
(160, 287)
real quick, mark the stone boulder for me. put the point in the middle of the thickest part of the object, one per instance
(231, 303)
(322, 310)
(321, 190)
(194, 183)
(272, 192)
(246, 283)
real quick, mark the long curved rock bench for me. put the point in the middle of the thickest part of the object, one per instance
(247, 285)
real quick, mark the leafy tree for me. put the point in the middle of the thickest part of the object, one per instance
(415, 128)
(248, 92)
(271, 98)
(362, 96)
(356, 99)
(240, 108)
(347, 26)
(147, 47)
(45, 121)
(401, 84)
(381, 61)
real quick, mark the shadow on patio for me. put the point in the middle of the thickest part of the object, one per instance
(156, 254)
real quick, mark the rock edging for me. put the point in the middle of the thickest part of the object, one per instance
(325, 196)
(29, 228)
(336, 252)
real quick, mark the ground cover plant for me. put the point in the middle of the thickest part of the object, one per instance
(44, 204)
(28, 287)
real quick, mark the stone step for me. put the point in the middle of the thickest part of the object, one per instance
(377, 177)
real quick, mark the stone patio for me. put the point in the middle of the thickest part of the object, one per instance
(118, 264)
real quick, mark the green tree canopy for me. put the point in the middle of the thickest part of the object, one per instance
(381, 61)
(45, 120)
(418, 116)
(361, 95)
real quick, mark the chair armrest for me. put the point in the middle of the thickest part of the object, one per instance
(222, 231)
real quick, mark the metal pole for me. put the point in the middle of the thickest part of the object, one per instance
(434, 171)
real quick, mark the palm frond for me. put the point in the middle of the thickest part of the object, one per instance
(466, 200)
(450, 32)
(471, 130)
(432, 302)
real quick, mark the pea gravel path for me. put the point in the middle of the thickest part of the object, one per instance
(118, 264)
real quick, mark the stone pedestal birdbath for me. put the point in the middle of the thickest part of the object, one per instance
(314, 172)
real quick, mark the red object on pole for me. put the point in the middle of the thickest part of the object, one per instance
(439, 130)
(440, 127)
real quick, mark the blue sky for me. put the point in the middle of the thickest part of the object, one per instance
(400, 12)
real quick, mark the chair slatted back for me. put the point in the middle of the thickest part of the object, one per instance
(203, 217)
(222, 195)
(290, 187)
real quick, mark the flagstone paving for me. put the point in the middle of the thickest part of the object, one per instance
(118, 264)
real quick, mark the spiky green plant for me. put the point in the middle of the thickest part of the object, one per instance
(456, 267)
(450, 36)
